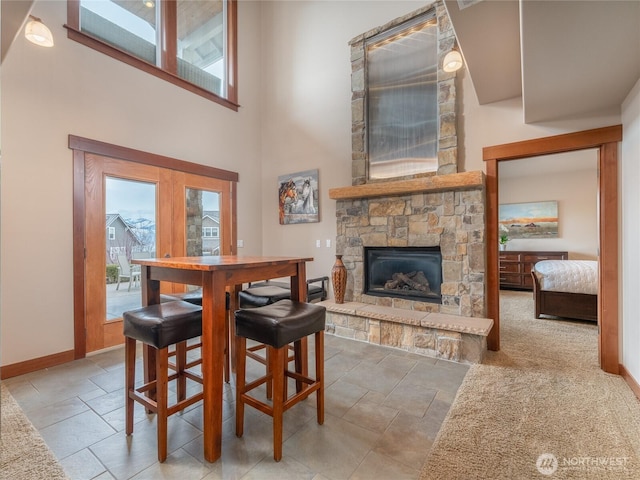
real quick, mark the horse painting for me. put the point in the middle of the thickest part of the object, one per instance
(288, 194)
(298, 197)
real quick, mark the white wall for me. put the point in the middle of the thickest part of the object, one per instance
(630, 254)
(48, 94)
(576, 193)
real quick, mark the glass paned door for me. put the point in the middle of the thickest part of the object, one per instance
(134, 210)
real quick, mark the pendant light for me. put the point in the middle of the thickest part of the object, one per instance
(452, 61)
(38, 33)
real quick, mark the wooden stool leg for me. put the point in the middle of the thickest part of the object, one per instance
(267, 359)
(278, 365)
(319, 339)
(301, 350)
(162, 367)
(130, 374)
(181, 361)
(241, 365)
(149, 360)
(227, 348)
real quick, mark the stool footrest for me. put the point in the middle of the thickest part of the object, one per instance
(181, 405)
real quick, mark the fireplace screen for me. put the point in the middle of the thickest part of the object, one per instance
(414, 273)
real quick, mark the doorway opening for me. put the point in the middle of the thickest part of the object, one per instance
(605, 140)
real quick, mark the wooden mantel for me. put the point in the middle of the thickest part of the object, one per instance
(435, 183)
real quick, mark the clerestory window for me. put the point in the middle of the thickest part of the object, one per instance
(191, 43)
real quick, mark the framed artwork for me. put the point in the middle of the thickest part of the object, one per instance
(529, 220)
(298, 197)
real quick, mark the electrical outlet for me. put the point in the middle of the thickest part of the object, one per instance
(328, 243)
(240, 243)
(317, 243)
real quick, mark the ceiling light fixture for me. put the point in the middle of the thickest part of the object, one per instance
(149, 3)
(38, 33)
(452, 61)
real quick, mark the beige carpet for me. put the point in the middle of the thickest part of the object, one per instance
(539, 408)
(23, 453)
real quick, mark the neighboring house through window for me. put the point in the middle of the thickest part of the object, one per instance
(210, 232)
(189, 43)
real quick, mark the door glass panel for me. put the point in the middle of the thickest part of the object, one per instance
(202, 223)
(130, 208)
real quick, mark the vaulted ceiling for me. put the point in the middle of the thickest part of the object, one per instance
(565, 58)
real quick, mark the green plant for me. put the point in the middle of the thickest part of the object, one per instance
(112, 273)
(504, 235)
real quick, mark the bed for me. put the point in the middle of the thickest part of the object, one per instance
(566, 288)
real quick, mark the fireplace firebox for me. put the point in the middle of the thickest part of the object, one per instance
(413, 273)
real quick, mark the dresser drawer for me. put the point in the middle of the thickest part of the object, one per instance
(510, 279)
(534, 258)
(509, 256)
(506, 267)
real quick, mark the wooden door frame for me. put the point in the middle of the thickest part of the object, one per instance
(82, 146)
(606, 140)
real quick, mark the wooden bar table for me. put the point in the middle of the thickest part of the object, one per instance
(215, 274)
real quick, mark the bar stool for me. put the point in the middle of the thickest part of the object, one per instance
(195, 297)
(276, 326)
(159, 326)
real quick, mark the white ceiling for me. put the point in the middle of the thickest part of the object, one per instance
(565, 58)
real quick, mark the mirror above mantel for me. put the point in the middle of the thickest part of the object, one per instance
(404, 110)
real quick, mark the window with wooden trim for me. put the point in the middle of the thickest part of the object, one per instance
(191, 43)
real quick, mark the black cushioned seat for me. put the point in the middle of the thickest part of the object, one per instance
(280, 323)
(164, 324)
(268, 292)
(259, 296)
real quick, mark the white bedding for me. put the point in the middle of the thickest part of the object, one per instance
(573, 276)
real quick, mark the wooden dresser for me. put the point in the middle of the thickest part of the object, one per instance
(516, 266)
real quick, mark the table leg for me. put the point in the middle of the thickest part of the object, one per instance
(300, 348)
(213, 345)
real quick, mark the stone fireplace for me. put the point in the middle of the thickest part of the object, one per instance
(442, 212)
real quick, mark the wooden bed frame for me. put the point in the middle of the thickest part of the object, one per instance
(580, 306)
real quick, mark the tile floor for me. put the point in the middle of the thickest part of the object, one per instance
(384, 408)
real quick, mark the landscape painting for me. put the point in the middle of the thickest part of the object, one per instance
(530, 220)
(298, 197)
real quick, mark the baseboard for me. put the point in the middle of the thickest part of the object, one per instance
(635, 387)
(28, 366)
